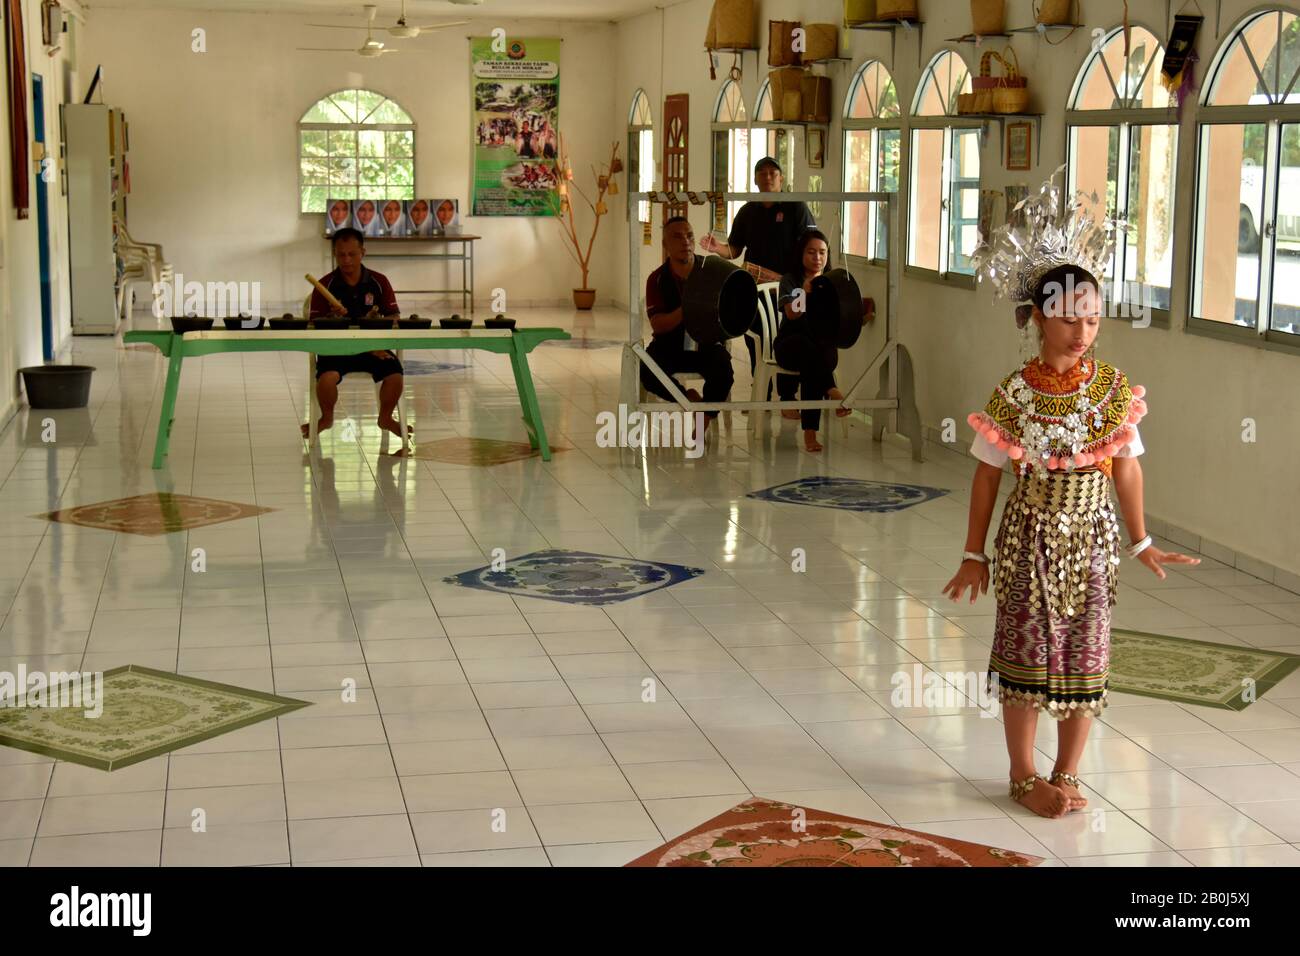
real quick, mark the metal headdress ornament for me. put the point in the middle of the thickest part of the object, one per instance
(1043, 232)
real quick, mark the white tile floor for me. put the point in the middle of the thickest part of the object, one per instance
(474, 707)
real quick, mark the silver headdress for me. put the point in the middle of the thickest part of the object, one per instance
(1041, 233)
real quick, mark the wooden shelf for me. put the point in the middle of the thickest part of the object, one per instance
(891, 24)
(1048, 28)
(891, 27)
(978, 38)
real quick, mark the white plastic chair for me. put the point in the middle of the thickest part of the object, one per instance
(315, 405)
(143, 262)
(767, 367)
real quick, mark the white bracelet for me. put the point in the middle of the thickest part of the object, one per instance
(1138, 547)
(975, 556)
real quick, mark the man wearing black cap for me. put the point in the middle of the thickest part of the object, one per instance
(765, 232)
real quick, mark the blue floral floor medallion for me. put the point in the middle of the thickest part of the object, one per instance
(850, 494)
(422, 367)
(576, 577)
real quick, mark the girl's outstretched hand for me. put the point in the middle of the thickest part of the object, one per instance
(972, 574)
(1153, 557)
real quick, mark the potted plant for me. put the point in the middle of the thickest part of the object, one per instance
(562, 200)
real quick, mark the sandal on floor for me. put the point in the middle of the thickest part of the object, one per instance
(1070, 780)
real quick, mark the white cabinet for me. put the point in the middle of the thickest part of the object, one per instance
(94, 136)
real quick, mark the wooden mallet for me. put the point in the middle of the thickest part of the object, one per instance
(329, 296)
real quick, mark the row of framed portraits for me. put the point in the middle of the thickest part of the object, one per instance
(393, 218)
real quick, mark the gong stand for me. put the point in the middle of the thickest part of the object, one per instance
(892, 365)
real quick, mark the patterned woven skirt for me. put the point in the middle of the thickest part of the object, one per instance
(1057, 551)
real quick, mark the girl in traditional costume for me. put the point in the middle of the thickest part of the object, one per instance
(1068, 424)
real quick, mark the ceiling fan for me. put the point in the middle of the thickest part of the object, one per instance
(401, 29)
(373, 47)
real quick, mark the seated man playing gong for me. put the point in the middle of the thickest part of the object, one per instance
(672, 347)
(362, 293)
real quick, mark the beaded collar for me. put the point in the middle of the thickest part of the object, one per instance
(1054, 421)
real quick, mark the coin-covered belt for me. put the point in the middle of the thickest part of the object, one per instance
(1068, 514)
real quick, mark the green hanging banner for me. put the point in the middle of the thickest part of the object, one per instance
(515, 92)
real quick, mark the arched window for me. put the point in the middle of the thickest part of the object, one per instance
(773, 138)
(873, 142)
(943, 208)
(731, 172)
(355, 144)
(1123, 146)
(1248, 202)
(640, 153)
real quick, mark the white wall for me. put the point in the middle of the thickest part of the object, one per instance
(20, 302)
(214, 141)
(1199, 475)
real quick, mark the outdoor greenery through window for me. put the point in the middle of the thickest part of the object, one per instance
(1248, 206)
(641, 153)
(355, 144)
(873, 145)
(1123, 147)
(943, 208)
(731, 163)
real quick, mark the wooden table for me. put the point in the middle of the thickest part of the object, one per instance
(516, 344)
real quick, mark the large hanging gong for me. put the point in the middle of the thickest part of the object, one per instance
(719, 301)
(835, 308)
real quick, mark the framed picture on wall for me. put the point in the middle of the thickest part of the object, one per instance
(1019, 146)
(816, 147)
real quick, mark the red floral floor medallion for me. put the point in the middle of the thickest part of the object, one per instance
(159, 513)
(762, 832)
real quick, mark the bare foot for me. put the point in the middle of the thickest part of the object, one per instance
(810, 441)
(837, 396)
(1044, 799)
(323, 425)
(393, 426)
(1072, 793)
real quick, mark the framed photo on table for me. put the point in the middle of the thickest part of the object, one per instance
(1020, 146)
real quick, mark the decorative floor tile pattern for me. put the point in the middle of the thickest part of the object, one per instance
(481, 452)
(145, 713)
(762, 832)
(576, 577)
(850, 494)
(1194, 672)
(155, 514)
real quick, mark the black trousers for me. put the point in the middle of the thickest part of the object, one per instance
(815, 362)
(711, 361)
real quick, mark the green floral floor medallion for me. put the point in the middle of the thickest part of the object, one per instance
(1226, 676)
(145, 713)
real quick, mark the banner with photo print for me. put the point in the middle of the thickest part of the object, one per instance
(516, 113)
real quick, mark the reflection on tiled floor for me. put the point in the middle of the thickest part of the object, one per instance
(600, 731)
(849, 494)
(154, 514)
(576, 577)
(479, 452)
(138, 713)
(761, 832)
(1195, 672)
(419, 367)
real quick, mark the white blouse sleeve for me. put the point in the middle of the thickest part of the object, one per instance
(987, 452)
(1133, 448)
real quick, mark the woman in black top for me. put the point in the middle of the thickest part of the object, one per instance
(798, 346)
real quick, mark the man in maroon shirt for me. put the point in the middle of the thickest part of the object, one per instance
(672, 348)
(362, 293)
